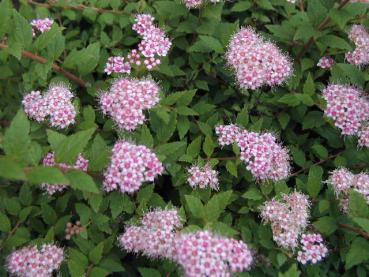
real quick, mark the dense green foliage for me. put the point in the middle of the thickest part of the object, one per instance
(198, 93)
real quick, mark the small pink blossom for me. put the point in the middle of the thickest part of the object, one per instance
(313, 249)
(127, 99)
(203, 177)
(131, 165)
(227, 134)
(41, 25)
(49, 160)
(117, 65)
(326, 62)
(360, 37)
(364, 136)
(32, 261)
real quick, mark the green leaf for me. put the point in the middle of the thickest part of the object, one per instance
(46, 174)
(195, 206)
(84, 60)
(314, 184)
(82, 181)
(241, 6)
(5, 14)
(77, 262)
(48, 214)
(357, 205)
(232, 168)
(316, 12)
(96, 253)
(358, 253)
(208, 146)
(182, 98)
(99, 272)
(4, 223)
(253, 193)
(216, 206)
(326, 225)
(10, 169)
(21, 35)
(291, 272)
(207, 44)
(193, 149)
(16, 139)
(67, 150)
(183, 110)
(149, 272)
(84, 213)
(170, 9)
(98, 155)
(45, 38)
(362, 222)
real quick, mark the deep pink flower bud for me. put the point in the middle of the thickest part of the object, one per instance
(41, 25)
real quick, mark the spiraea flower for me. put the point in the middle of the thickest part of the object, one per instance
(347, 106)
(193, 3)
(55, 105)
(227, 134)
(203, 177)
(49, 160)
(326, 62)
(313, 249)
(364, 135)
(32, 261)
(360, 37)
(131, 165)
(41, 25)
(203, 253)
(264, 156)
(288, 218)
(116, 64)
(257, 62)
(155, 236)
(127, 99)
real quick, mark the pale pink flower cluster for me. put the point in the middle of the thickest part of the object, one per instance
(227, 134)
(154, 44)
(203, 254)
(347, 106)
(203, 177)
(41, 25)
(127, 99)
(32, 261)
(364, 135)
(49, 160)
(288, 218)
(360, 37)
(313, 249)
(263, 155)
(56, 104)
(131, 165)
(257, 62)
(326, 62)
(155, 236)
(342, 180)
(116, 64)
(191, 4)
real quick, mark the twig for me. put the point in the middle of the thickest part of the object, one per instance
(321, 27)
(56, 67)
(89, 269)
(10, 233)
(302, 5)
(79, 7)
(355, 229)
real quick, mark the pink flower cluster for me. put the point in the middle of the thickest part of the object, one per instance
(288, 218)
(360, 37)
(49, 160)
(326, 62)
(127, 99)
(203, 177)
(313, 249)
(55, 103)
(257, 62)
(130, 166)
(342, 180)
(117, 65)
(191, 4)
(204, 254)
(155, 236)
(41, 25)
(31, 261)
(200, 254)
(264, 156)
(347, 106)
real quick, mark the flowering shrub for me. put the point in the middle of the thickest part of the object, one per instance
(184, 138)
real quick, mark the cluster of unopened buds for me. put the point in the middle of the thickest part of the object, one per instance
(33, 261)
(73, 229)
(191, 4)
(288, 218)
(360, 37)
(342, 180)
(203, 177)
(49, 160)
(326, 62)
(41, 25)
(257, 62)
(154, 45)
(312, 249)
(263, 155)
(200, 254)
(127, 99)
(131, 165)
(349, 108)
(55, 104)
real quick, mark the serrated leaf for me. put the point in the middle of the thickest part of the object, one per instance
(95, 254)
(358, 253)
(326, 225)
(216, 206)
(314, 184)
(82, 181)
(195, 206)
(9, 169)
(46, 174)
(4, 223)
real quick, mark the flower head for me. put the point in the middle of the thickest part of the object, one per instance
(326, 62)
(117, 65)
(203, 177)
(41, 25)
(227, 134)
(360, 37)
(313, 249)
